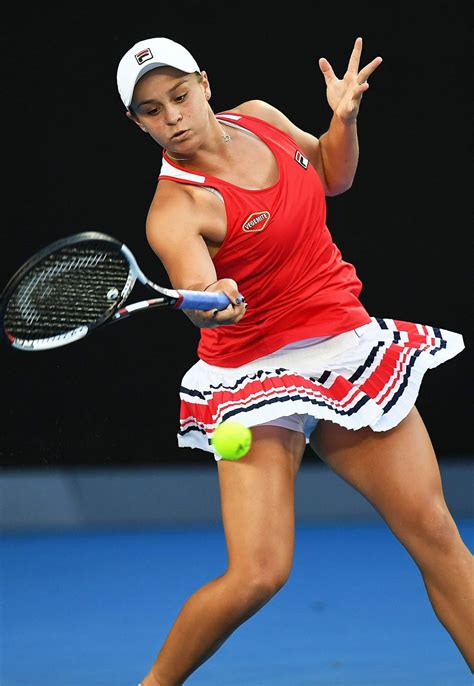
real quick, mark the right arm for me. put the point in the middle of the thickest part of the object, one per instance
(177, 221)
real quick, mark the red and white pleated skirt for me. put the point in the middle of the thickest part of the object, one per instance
(369, 376)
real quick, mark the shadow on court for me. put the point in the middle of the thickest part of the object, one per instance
(92, 608)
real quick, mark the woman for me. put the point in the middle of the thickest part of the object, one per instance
(300, 360)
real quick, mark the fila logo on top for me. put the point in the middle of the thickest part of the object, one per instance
(301, 159)
(144, 55)
(256, 221)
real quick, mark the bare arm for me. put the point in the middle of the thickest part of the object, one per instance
(335, 154)
(339, 145)
(174, 231)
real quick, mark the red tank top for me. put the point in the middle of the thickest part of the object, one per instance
(281, 254)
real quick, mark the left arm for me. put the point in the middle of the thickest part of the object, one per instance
(335, 153)
(339, 146)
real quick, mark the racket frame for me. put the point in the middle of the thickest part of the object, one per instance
(167, 297)
(179, 299)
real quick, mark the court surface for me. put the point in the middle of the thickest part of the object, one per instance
(91, 609)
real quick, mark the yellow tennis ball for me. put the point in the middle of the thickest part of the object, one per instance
(232, 440)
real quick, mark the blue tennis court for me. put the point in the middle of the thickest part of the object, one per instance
(92, 608)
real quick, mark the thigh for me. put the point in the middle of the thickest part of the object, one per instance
(257, 499)
(396, 470)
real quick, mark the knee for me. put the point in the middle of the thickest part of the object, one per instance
(263, 585)
(262, 580)
(267, 582)
(428, 524)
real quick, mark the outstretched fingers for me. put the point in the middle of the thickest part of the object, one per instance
(326, 69)
(353, 66)
(369, 69)
(354, 60)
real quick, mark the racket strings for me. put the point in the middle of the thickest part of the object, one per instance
(77, 286)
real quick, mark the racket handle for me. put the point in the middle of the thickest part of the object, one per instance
(203, 300)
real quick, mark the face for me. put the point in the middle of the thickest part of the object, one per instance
(172, 107)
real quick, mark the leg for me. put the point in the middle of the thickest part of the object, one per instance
(398, 473)
(257, 496)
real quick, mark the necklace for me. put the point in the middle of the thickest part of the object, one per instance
(225, 139)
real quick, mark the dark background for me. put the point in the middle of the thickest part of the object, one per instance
(72, 162)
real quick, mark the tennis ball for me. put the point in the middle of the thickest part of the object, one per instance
(232, 440)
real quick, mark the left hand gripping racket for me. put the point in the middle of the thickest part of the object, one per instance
(78, 284)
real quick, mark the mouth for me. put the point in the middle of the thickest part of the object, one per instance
(179, 135)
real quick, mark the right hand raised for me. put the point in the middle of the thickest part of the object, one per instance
(210, 319)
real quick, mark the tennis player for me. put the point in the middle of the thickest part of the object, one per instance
(240, 206)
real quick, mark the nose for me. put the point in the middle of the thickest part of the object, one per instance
(173, 115)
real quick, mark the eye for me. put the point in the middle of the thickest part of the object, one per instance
(153, 111)
(180, 98)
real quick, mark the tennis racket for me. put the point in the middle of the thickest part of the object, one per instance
(79, 284)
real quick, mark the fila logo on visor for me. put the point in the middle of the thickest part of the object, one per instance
(301, 159)
(144, 56)
(256, 221)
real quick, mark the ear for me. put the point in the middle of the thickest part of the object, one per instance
(136, 121)
(205, 85)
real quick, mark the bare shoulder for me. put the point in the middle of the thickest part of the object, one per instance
(172, 218)
(179, 221)
(262, 110)
(189, 209)
(306, 141)
(171, 204)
